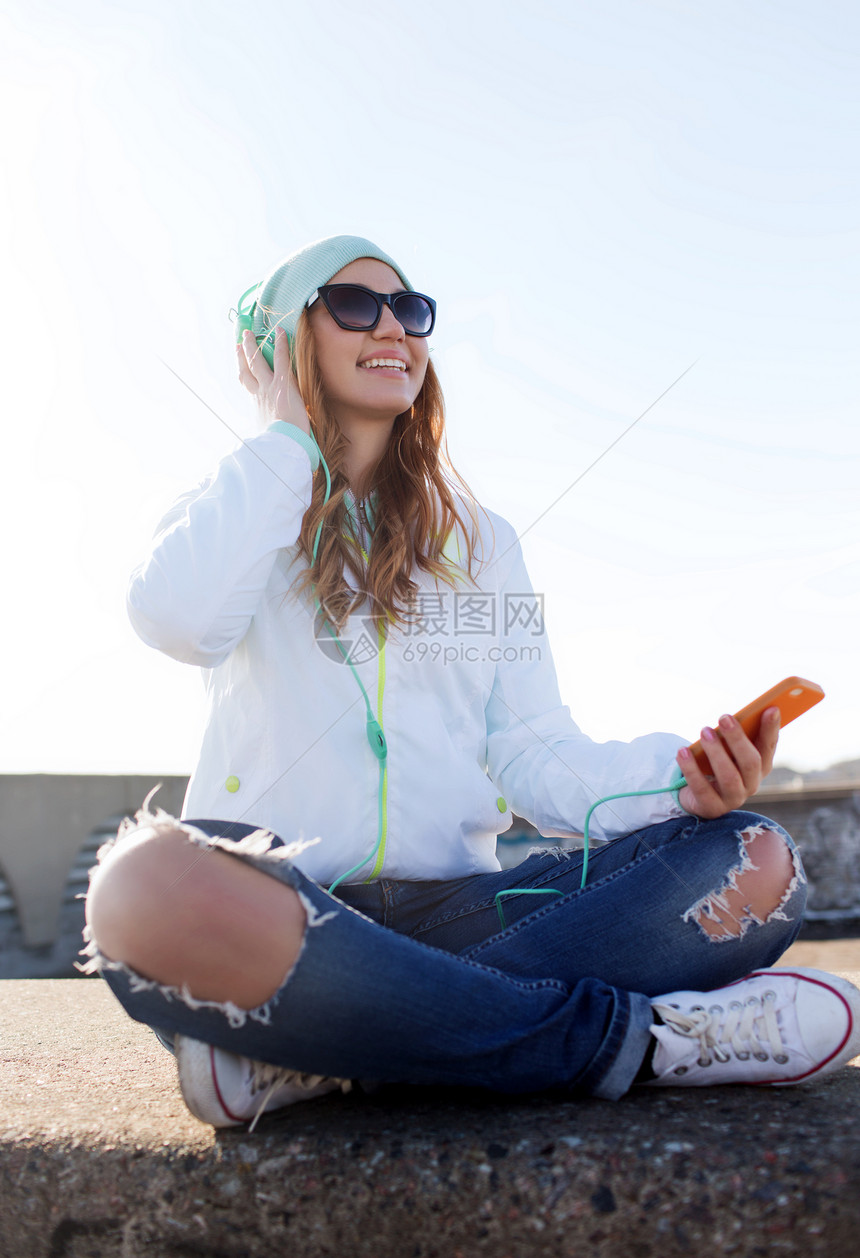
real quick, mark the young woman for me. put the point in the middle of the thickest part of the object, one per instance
(381, 696)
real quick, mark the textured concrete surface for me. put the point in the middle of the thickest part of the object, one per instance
(99, 1157)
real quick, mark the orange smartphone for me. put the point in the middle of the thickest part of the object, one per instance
(793, 697)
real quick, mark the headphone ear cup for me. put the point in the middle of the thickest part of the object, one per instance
(245, 318)
(244, 323)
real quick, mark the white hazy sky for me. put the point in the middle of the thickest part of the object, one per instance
(598, 194)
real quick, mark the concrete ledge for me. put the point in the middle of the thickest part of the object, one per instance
(99, 1157)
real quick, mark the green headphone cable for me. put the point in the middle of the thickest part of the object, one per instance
(659, 790)
(375, 733)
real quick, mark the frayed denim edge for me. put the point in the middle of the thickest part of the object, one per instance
(256, 844)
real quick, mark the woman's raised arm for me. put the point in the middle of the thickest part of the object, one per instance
(195, 594)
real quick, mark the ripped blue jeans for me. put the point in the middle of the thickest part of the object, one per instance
(420, 983)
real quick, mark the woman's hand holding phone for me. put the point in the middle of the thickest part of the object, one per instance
(738, 765)
(277, 392)
(727, 765)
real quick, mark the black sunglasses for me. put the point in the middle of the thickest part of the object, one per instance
(359, 309)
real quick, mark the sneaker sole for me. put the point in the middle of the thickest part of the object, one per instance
(199, 1085)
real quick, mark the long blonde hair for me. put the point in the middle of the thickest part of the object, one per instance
(414, 510)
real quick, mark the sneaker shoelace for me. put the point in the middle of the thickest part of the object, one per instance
(745, 1028)
(267, 1079)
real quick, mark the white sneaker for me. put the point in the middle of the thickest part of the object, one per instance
(226, 1090)
(773, 1027)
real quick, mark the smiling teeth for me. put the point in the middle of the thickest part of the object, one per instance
(385, 362)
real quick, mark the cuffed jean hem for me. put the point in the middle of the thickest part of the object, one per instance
(618, 1078)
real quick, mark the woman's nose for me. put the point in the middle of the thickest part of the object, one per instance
(388, 328)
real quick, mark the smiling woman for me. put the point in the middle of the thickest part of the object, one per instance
(279, 970)
(353, 364)
(370, 374)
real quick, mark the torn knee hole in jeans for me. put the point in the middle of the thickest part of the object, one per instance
(253, 845)
(744, 900)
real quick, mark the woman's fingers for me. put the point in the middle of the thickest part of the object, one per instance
(288, 404)
(246, 376)
(740, 759)
(277, 392)
(723, 790)
(738, 766)
(281, 357)
(768, 737)
(251, 374)
(257, 366)
(699, 798)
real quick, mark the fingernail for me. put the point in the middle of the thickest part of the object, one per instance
(708, 734)
(727, 722)
(684, 753)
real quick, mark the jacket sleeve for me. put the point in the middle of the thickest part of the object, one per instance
(547, 769)
(196, 593)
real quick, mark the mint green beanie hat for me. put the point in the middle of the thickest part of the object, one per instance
(282, 295)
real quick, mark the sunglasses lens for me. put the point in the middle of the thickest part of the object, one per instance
(359, 309)
(413, 313)
(354, 307)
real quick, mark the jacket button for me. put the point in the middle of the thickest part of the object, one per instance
(232, 784)
(501, 804)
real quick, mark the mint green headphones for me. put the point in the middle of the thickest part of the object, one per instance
(284, 293)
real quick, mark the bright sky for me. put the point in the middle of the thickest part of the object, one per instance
(599, 194)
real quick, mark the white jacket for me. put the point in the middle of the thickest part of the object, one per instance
(468, 699)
